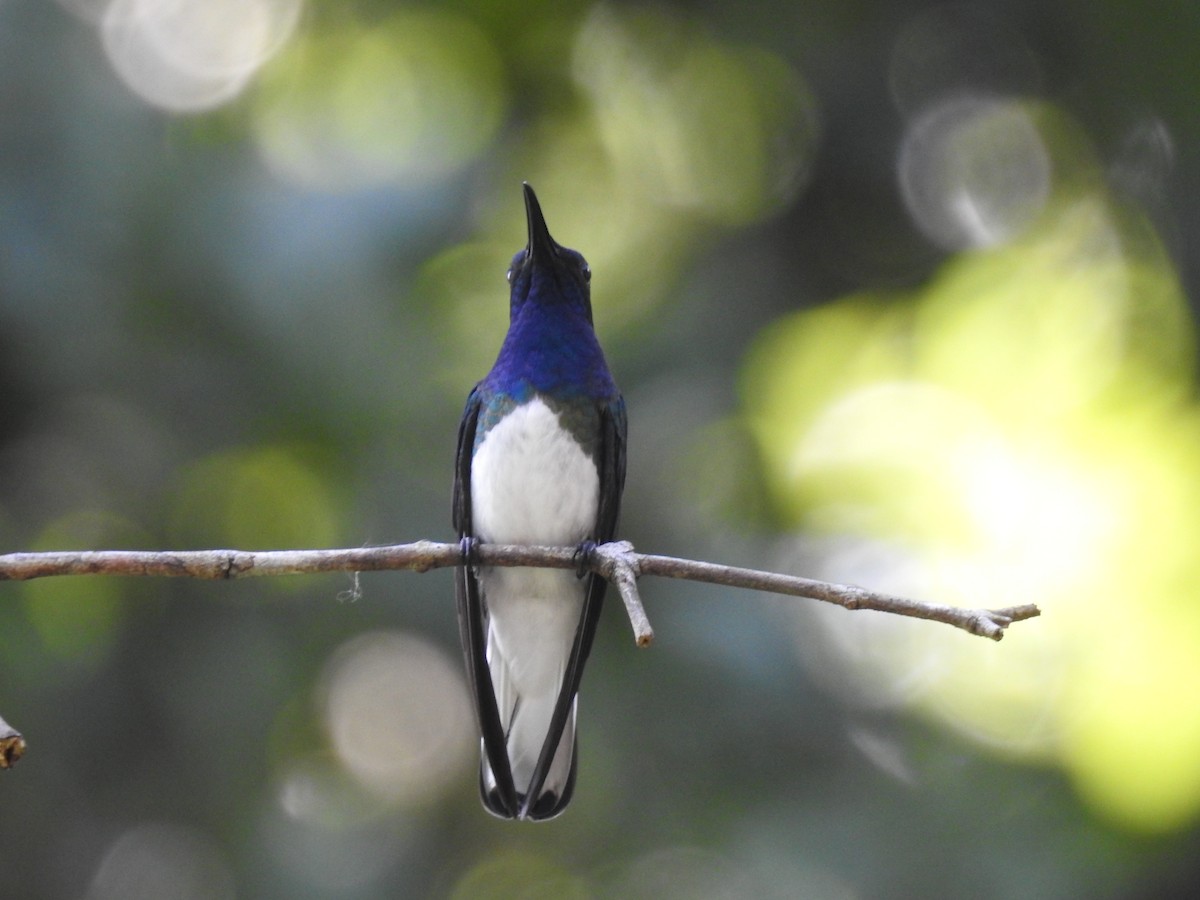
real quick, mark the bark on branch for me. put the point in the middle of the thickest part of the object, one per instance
(616, 561)
(12, 745)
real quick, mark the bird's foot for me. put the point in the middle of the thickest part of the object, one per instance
(583, 557)
(466, 548)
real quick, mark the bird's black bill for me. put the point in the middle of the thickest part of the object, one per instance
(541, 247)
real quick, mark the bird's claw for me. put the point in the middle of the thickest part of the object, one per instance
(583, 557)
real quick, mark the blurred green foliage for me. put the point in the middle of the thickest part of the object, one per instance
(897, 294)
(417, 94)
(258, 498)
(1009, 431)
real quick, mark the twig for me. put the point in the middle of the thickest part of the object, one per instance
(12, 745)
(615, 561)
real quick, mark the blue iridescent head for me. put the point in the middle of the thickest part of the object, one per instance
(546, 272)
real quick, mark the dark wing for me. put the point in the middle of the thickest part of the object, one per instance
(611, 465)
(472, 625)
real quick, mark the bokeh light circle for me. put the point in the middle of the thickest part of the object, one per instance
(162, 859)
(398, 716)
(193, 55)
(974, 171)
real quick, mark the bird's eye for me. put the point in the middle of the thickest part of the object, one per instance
(587, 272)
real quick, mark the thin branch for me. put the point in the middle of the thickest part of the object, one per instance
(615, 561)
(989, 623)
(12, 745)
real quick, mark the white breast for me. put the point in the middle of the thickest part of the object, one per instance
(531, 482)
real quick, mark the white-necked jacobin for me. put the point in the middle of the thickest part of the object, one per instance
(541, 460)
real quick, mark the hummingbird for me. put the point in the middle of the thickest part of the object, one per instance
(541, 461)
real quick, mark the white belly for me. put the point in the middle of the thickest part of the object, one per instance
(531, 483)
